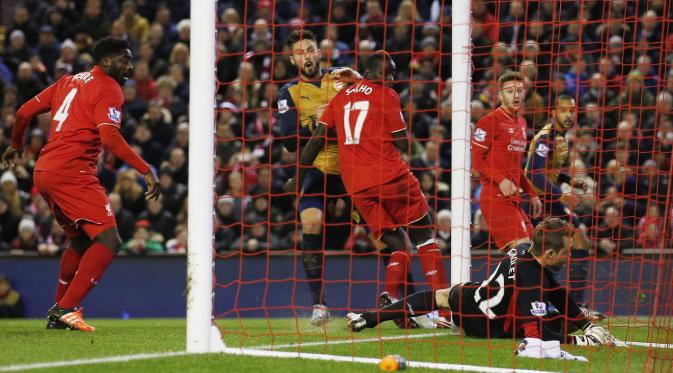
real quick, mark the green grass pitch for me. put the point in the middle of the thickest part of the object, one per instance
(26, 342)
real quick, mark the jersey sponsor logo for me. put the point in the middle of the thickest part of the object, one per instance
(538, 308)
(517, 146)
(542, 150)
(282, 106)
(114, 115)
(480, 135)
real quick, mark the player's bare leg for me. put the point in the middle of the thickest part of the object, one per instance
(312, 259)
(93, 264)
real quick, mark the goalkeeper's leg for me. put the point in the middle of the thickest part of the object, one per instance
(414, 305)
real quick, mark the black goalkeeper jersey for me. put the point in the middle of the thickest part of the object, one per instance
(515, 299)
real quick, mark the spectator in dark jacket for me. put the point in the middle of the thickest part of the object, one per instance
(161, 221)
(9, 224)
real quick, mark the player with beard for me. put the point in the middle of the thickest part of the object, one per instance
(513, 302)
(86, 116)
(498, 145)
(300, 102)
(547, 157)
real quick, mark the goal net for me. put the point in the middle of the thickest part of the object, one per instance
(612, 58)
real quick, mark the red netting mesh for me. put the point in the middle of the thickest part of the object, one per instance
(613, 57)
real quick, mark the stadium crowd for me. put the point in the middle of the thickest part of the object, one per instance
(613, 57)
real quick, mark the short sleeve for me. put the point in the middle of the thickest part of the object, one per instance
(392, 113)
(108, 109)
(484, 133)
(328, 116)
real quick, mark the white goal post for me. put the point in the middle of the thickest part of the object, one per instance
(202, 337)
(201, 176)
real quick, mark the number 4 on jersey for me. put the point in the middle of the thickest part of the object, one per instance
(62, 112)
(363, 106)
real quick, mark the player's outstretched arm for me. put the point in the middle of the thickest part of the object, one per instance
(308, 155)
(37, 105)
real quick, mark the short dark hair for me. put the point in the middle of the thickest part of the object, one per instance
(509, 76)
(298, 35)
(563, 97)
(374, 65)
(549, 235)
(109, 46)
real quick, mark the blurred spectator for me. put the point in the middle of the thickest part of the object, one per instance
(160, 122)
(48, 48)
(18, 50)
(229, 220)
(130, 191)
(17, 199)
(134, 105)
(173, 194)
(11, 301)
(27, 239)
(9, 224)
(144, 82)
(612, 235)
(651, 228)
(444, 231)
(94, 23)
(178, 245)
(256, 237)
(177, 163)
(162, 222)
(55, 243)
(143, 241)
(137, 25)
(26, 83)
(125, 219)
(150, 148)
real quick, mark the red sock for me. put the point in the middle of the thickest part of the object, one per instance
(396, 272)
(433, 266)
(69, 264)
(91, 268)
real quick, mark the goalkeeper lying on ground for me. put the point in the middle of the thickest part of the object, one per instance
(513, 302)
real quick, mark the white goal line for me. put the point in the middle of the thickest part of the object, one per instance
(347, 341)
(102, 360)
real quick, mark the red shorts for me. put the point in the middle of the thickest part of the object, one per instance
(79, 203)
(506, 221)
(391, 205)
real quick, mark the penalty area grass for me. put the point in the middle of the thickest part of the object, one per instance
(26, 342)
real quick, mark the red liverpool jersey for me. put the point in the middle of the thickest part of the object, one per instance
(498, 146)
(365, 117)
(79, 105)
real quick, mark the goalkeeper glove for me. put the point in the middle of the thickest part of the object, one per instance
(594, 336)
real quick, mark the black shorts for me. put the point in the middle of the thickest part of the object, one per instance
(466, 314)
(317, 186)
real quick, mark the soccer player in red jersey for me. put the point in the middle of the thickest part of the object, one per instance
(370, 129)
(86, 115)
(498, 146)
